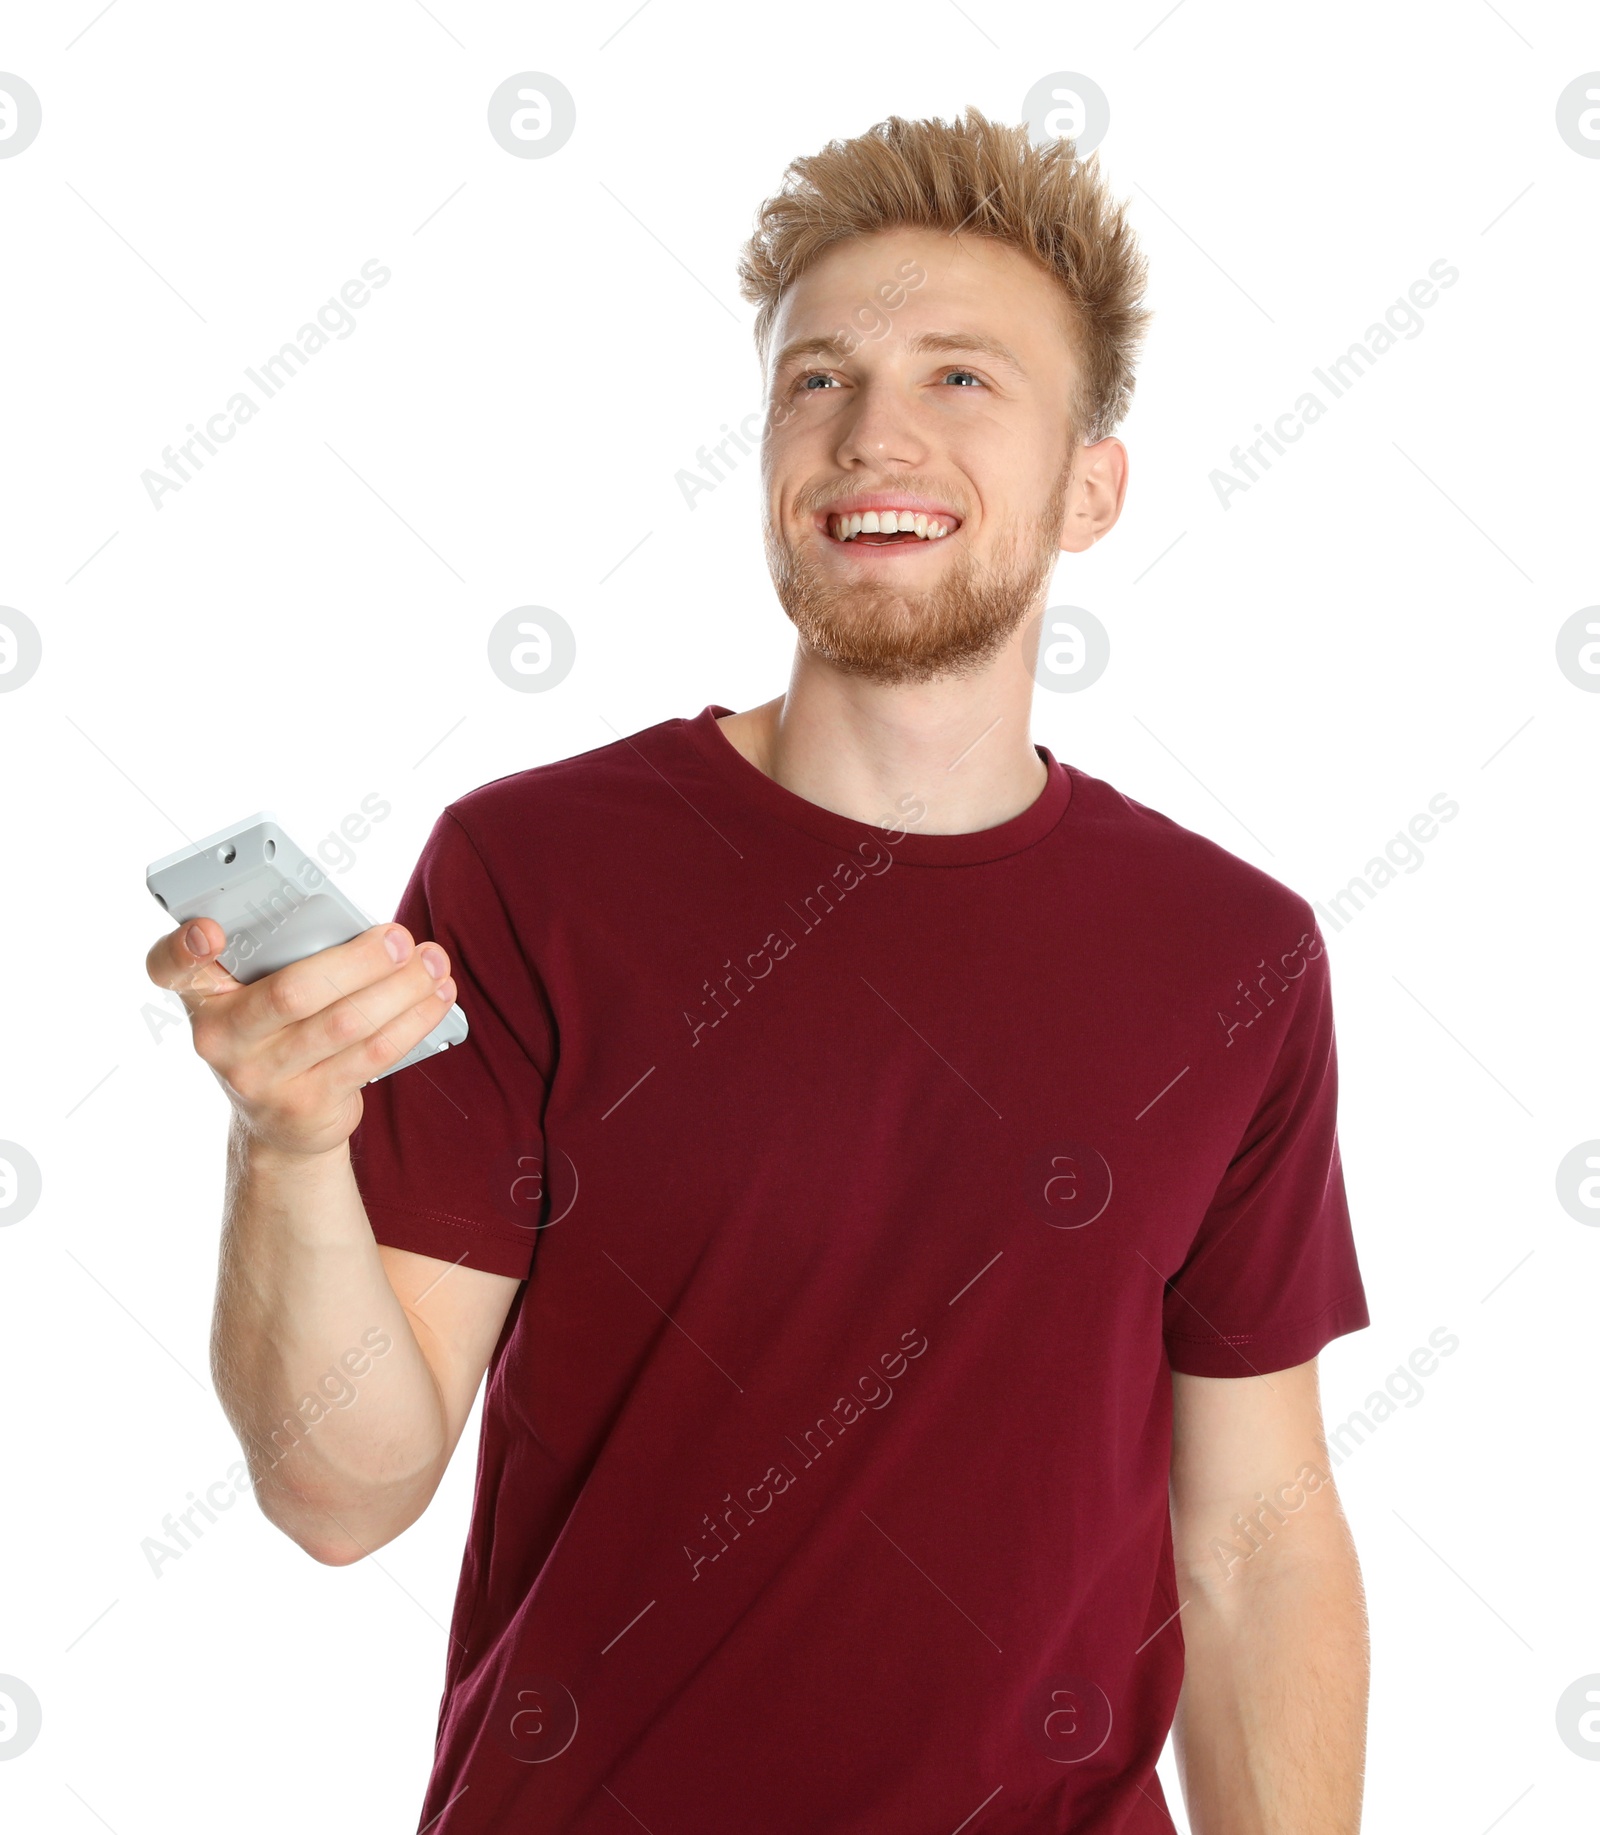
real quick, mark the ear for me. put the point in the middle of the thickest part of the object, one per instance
(1094, 500)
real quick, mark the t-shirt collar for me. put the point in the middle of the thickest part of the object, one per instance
(1023, 830)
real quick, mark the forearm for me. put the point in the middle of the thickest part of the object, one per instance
(1271, 1722)
(314, 1358)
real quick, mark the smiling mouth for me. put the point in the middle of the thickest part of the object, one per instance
(888, 528)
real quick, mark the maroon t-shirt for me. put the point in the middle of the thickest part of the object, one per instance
(867, 1184)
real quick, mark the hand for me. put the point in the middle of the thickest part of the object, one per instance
(293, 1049)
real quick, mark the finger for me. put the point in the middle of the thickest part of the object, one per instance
(184, 960)
(386, 1044)
(301, 990)
(362, 1014)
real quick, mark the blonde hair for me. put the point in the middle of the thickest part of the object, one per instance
(983, 178)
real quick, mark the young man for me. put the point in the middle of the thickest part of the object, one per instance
(892, 1180)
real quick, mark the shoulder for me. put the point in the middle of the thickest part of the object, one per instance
(587, 796)
(1185, 877)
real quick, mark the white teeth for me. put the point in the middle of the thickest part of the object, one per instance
(888, 522)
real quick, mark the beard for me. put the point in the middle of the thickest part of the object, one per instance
(882, 632)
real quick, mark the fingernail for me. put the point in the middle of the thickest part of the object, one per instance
(433, 960)
(195, 940)
(394, 941)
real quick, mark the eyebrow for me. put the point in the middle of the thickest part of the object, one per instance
(976, 341)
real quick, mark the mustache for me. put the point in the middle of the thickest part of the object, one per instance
(910, 487)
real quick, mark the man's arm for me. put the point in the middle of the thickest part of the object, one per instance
(1271, 1723)
(346, 1367)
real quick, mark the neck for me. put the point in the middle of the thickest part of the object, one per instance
(958, 749)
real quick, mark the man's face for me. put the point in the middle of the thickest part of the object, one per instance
(948, 389)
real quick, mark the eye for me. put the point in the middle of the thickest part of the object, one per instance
(807, 376)
(972, 373)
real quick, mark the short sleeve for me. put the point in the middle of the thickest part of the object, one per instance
(1272, 1274)
(448, 1155)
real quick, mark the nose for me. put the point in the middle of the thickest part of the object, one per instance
(880, 430)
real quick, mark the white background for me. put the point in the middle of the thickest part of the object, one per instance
(304, 624)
